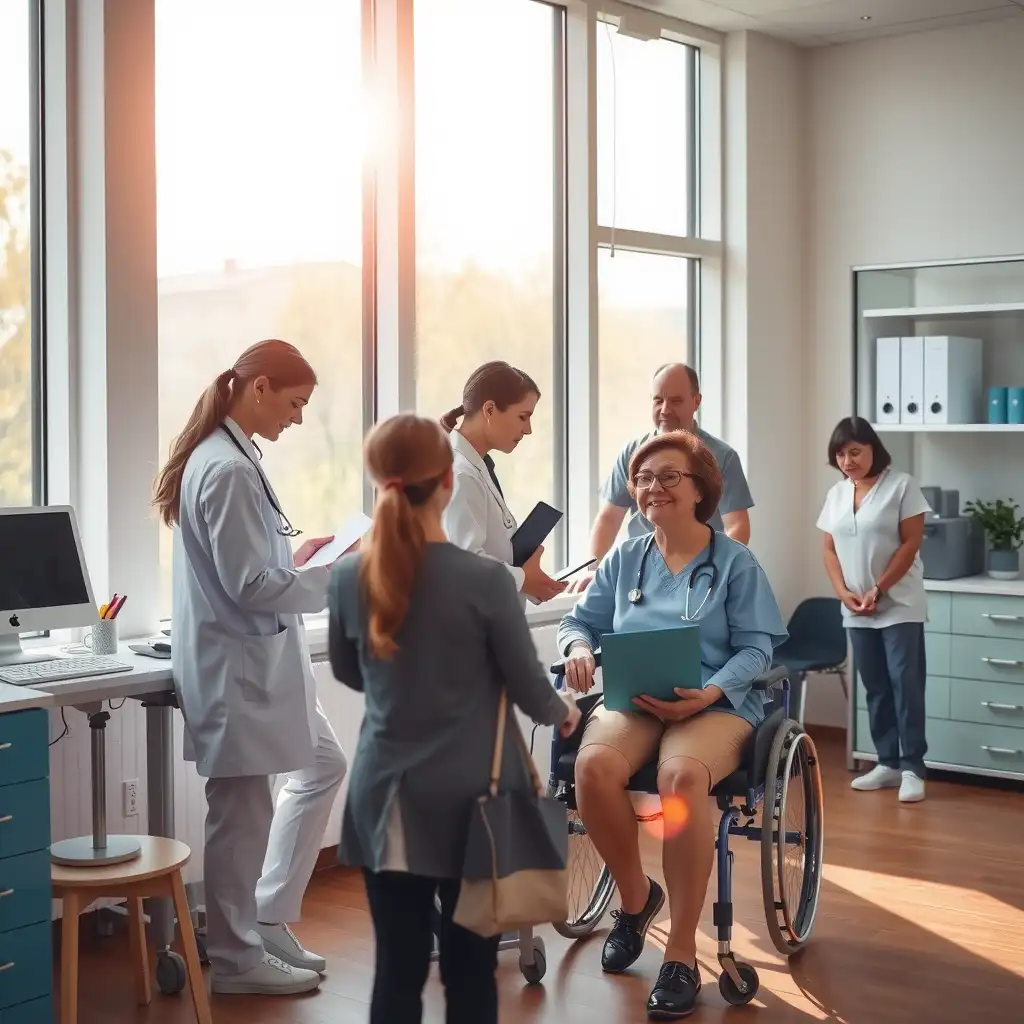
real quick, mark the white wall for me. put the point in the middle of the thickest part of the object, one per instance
(916, 152)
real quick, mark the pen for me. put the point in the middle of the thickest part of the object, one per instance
(105, 610)
(116, 607)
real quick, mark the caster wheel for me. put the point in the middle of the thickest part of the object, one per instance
(730, 993)
(170, 973)
(204, 956)
(534, 973)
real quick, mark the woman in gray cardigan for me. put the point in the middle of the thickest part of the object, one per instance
(430, 634)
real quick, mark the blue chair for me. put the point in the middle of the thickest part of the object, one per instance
(773, 798)
(817, 643)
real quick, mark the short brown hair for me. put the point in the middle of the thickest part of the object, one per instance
(704, 469)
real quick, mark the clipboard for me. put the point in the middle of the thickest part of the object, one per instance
(652, 662)
(535, 529)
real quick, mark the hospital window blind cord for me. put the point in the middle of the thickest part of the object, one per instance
(615, 120)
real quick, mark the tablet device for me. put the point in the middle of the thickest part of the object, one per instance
(560, 577)
(651, 662)
(534, 531)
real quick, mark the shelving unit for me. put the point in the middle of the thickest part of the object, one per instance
(975, 632)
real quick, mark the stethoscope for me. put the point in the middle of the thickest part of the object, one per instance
(706, 568)
(284, 527)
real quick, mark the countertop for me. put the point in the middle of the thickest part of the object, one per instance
(978, 585)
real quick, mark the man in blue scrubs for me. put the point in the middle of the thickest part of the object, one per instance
(675, 399)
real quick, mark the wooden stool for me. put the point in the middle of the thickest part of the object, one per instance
(156, 873)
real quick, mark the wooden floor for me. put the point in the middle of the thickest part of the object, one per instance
(921, 920)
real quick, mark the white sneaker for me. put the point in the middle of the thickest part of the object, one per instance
(280, 941)
(272, 977)
(911, 788)
(879, 777)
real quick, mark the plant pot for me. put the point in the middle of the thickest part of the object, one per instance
(1003, 565)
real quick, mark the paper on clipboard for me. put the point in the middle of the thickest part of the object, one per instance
(344, 538)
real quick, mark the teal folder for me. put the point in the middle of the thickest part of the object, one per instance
(651, 662)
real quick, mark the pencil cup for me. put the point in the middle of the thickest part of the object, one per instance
(102, 638)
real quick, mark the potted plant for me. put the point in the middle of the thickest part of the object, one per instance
(1005, 532)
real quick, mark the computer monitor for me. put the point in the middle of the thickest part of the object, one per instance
(44, 582)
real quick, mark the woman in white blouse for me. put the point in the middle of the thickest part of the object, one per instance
(873, 521)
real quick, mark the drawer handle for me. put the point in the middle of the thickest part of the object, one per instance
(1002, 750)
(5, 746)
(6, 818)
(1001, 707)
(7, 966)
(6, 892)
(1003, 662)
(994, 617)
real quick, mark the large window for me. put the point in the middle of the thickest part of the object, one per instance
(648, 202)
(487, 259)
(20, 394)
(259, 168)
(642, 324)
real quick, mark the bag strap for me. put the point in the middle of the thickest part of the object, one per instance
(499, 748)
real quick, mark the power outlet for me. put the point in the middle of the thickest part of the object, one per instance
(131, 797)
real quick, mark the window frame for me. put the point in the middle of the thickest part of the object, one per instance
(98, 217)
(37, 255)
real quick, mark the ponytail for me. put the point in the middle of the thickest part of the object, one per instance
(388, 567)
(451, 419)
(211, 410)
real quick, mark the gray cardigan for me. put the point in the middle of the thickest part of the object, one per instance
(428, 730)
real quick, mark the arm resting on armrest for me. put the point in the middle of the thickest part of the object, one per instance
(774, 678)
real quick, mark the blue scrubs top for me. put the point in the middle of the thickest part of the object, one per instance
(735, 491)
(740, 623)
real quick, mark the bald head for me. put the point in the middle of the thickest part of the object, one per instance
(675, 393)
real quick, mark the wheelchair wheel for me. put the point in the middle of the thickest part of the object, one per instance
(590, 882)
(731, 993)
(792, 838)
(534, 973)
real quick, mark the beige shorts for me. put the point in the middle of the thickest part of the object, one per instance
(714, 738)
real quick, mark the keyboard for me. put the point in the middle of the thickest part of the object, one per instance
(61, 668)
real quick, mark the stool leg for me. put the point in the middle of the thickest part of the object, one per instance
(140, 953)
(196, 984)
(71, 907)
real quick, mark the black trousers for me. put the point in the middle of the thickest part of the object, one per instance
(402, 908)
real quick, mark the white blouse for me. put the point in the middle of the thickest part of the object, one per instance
(867, 539)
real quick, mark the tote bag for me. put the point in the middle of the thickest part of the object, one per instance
(514, 874)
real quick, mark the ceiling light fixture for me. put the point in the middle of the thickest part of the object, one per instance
(865, 17)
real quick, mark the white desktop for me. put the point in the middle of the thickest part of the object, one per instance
(45, 585)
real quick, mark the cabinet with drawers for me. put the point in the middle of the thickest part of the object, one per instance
(974, 693)
(26, 971)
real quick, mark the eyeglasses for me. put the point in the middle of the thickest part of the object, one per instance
(669, 478)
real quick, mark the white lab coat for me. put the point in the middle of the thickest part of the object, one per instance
(241, 664)
(477, 517)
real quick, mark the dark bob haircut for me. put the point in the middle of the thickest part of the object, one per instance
(857, 430)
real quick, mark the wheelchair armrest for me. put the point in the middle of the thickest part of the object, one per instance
(567, 744)
(558, 667)
(775, 678)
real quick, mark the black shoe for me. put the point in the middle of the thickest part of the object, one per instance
(674, 995)
(626, 939)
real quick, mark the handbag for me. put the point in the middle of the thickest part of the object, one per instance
(514, 872)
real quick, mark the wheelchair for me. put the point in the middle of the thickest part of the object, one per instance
(774, 797)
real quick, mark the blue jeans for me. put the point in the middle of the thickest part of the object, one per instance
(891, 663)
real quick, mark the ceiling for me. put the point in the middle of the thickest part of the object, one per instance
(824, 22)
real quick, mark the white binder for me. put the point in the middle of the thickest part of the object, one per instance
(912, 380)
(952, 380)
(887, 380)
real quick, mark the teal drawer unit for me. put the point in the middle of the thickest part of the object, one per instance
(984, 702)
(35, 1011)
(26, 932)
(939, 611)
(24, 746)
(988, 615)
(989, 658)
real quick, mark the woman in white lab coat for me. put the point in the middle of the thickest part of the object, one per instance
(496, 412)
(242, 671)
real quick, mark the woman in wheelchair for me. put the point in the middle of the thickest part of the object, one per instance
(684, 571)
